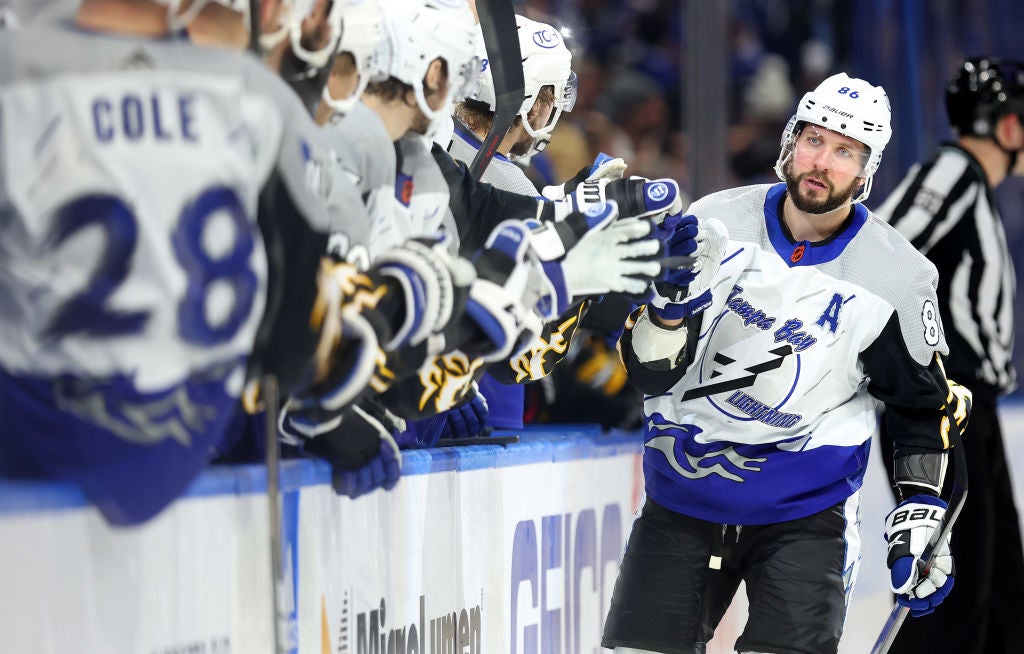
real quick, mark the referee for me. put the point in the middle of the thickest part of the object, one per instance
(946, 207)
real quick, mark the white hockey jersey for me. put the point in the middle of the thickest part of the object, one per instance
(134, 274)
(361, 152)
(772, 419)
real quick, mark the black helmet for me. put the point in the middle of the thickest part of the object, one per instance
(982, 91)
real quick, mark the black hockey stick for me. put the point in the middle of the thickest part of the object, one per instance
(505, 60)
(478, 440)
(957, 498)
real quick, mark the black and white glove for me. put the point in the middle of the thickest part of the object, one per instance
(359, 443)
(908, 529)
(685, 291)
(637, 197)
(604, 167)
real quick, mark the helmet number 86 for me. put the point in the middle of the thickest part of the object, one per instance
(846, 91)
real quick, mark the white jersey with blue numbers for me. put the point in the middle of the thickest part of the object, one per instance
(773, 418)
(133, 273)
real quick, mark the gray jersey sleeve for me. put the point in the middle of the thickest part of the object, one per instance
(885, 263)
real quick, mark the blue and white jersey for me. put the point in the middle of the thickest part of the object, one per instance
(361, 154)
(501, 171)
(772, 419)
(421, 192)
(133, 271)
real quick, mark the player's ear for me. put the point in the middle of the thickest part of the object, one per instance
(1010, 132)
(436, 77)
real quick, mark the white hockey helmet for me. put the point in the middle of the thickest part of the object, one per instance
(546, 61)
(300, 10)
(421, 31)
(363, 36)
(178, 19)
(851, 107)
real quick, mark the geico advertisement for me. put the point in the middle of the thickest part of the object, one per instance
(518, 559)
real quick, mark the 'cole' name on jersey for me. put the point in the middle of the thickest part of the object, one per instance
(131, 117)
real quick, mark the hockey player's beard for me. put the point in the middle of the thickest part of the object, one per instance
(522, 147)
(834, 200)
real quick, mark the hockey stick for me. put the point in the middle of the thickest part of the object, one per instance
(957, 498)
(273, 462)
(501, 39)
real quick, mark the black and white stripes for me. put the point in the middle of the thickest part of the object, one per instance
(946, 209)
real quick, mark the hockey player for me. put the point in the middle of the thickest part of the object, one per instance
(362, 56)
(431, 48)
(761, 370)
(407, 98)
(166, 249)
(550, 89)
(947, 209)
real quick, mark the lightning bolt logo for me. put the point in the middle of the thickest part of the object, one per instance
(741, 381)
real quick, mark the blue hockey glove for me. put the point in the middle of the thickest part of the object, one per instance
(907, 529)
(678, 236)
(381, 471)
(422, 433)
(466, 420)
(685, 290)
(384, 471)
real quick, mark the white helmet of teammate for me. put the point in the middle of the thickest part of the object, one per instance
(177, 19)
(364, 36)
(421, 31)
(851, 107)
(300, 10)
(546, 61)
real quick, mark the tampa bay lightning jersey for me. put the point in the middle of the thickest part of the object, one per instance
(772, 419)
(133, 271)
(505, 402)
(501, 172)
(421, 192)
(362, 153)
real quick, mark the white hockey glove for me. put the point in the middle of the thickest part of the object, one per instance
(685, 290)
(637, 197)
(908, 529)
(610, 256)
(604, 167)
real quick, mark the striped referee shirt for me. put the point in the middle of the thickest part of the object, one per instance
(946, 209)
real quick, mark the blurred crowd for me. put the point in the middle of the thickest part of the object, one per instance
(631, 58)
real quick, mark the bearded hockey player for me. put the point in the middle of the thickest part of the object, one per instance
(761, 370)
